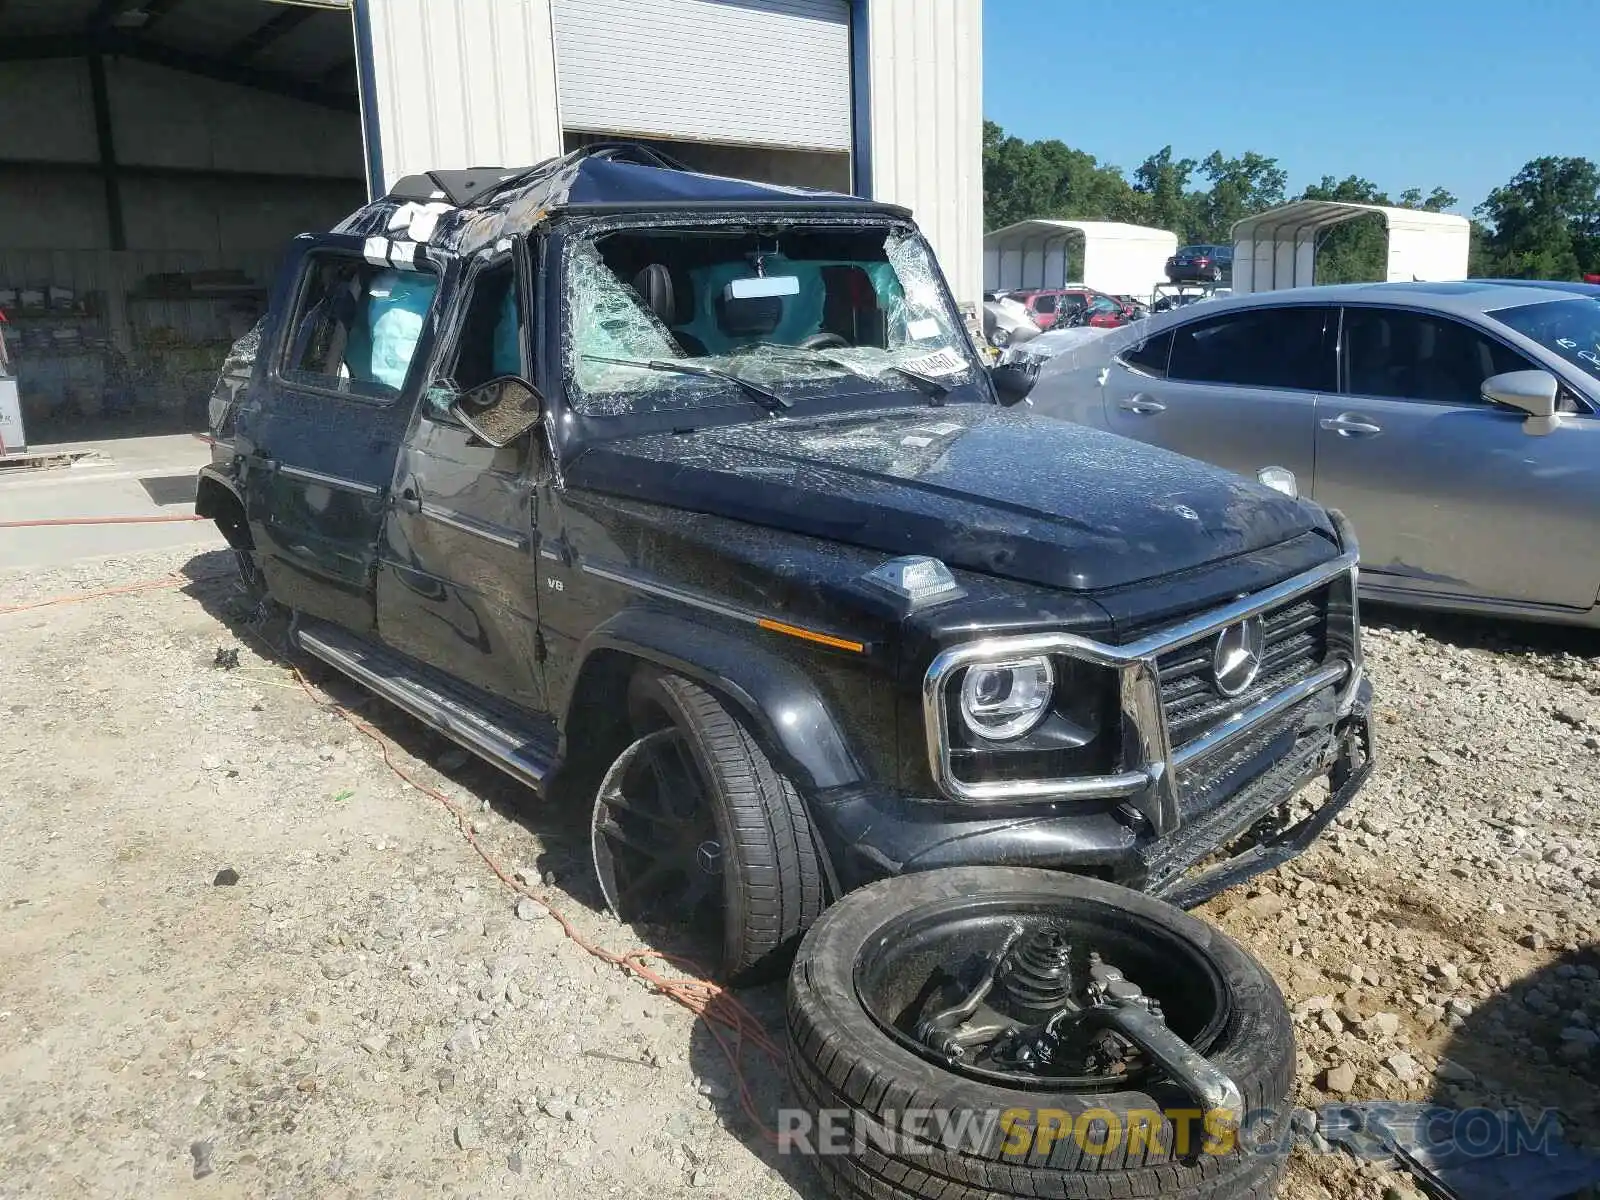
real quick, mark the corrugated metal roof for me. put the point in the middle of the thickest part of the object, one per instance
(315, 38)
(1304, 216)
(1107, 230)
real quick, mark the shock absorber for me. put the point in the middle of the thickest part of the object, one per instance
(1036, 976)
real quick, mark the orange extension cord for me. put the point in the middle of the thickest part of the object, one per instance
(729, 1021)
(51, 522)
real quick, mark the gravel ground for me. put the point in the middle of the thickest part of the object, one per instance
(368, 1010)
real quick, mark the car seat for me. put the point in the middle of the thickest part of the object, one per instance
(662, 296)
(850, 307)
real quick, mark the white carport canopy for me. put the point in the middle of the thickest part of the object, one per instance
(1278, 248)
(1122, 259)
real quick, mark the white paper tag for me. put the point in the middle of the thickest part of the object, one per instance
(940, 362)
(943, 428)
(377, 251)
(923, 329)
(404, 255)
(918, 442)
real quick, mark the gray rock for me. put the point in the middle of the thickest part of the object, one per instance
(1404, 1067)
(1451, 1071)
(1534, 940)
(462, 1042)
(701, 1178)
(1331, 1021)
(452, 760)
(337, 966)
(1587, 1038)
(1340, 1080)
(528, 909)
(468, 1135)
(1458, 1007)
(1438, 758)
(513, 993)
(1267, 904)
(514, 1162)
(1572, 714)
(1383, 1024)
(203, 1154)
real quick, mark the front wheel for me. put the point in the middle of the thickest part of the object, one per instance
(694, 826)
(993, 1031)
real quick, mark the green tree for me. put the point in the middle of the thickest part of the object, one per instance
(1239, 187)
(1161, 183)
(1022, 180)
(1545, 223)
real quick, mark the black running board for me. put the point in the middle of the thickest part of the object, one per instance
(524, 751)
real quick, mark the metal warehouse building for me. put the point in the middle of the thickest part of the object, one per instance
(155, 155)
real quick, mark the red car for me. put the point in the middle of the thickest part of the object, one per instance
(1050, 307)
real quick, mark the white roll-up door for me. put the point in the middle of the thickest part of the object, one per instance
(754, 72)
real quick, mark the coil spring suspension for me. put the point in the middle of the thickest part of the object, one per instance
(1037, 976)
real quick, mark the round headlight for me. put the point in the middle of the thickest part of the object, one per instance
(1001, 701)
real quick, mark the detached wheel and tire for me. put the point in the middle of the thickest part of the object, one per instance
(694, 825)
(923, 1046)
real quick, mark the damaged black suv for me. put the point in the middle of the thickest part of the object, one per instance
(692, 497)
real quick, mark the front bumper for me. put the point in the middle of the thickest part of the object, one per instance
(872, 835)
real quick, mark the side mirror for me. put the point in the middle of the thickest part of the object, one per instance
(1534, 392)
(501, 411)
(1014, 378)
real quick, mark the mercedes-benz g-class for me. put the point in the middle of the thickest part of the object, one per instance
(694, 496)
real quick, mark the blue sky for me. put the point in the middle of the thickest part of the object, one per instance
(1408, 93)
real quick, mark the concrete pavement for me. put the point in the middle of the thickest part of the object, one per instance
(104, 480)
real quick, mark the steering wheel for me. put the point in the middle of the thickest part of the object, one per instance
(825, 341)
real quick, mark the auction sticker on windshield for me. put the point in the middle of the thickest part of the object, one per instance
(940, 362)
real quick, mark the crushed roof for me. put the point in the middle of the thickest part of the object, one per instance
(464, 211)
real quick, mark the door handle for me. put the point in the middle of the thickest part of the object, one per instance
(407, 501)
(1350, 425)
(1142, 405)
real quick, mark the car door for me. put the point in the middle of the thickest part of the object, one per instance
(457, 587)
(1448, 492)
(1238, 388)
(1043, 308)
(318, 440)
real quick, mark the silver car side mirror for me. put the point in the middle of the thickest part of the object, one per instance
(1534, 392)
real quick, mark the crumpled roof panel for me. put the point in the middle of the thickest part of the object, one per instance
(464, 211)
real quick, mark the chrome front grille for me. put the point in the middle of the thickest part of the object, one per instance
(1295, 638)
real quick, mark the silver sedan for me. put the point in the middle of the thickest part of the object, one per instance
(1456, 424)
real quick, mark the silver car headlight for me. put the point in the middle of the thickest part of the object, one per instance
(1003, 700)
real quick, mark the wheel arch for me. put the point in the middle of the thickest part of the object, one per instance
(782, 706)
(217, 498)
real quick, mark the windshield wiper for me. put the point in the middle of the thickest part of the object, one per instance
(766, 397)
(936, 388)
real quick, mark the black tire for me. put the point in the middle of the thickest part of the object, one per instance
(841, 1061)
(772, 880)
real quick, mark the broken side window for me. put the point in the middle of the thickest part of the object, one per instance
(356, 326)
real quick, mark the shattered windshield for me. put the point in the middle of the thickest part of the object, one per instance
(717, 315)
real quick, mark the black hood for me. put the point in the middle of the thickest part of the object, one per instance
(983, 488)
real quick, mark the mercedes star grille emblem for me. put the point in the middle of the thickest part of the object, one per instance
(1236, 661)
